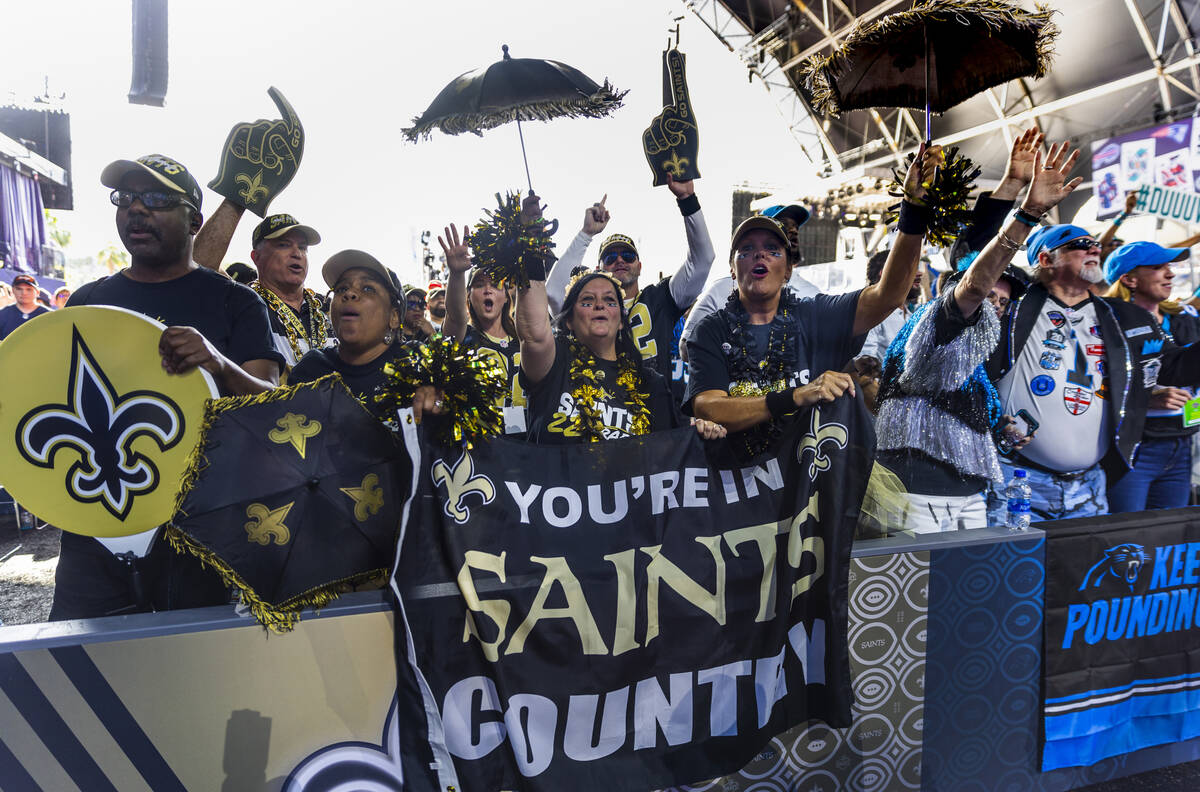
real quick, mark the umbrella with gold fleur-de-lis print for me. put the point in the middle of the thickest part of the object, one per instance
(293, 496)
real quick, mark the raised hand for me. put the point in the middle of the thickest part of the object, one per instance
(261, 158)
(1050, 185)
(672, 141)
(596, 217)
(922, 171)
(456, 251)
(1020, 158)
(1131, 201)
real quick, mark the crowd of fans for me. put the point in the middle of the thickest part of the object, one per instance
(1074, 365)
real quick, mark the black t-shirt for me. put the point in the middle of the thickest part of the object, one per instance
(652, 318)
(11, 318)
(825, 341)
(231, 316)
(508, 353)
(551, 407)
(1184, 330)
(361, 379)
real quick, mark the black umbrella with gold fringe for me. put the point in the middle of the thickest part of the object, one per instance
(514, 89)
(932, 57)
(293, 496)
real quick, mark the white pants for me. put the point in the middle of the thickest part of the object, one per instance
(934, 513)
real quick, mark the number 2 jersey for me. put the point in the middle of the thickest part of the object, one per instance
(652, 318)
(507, 352)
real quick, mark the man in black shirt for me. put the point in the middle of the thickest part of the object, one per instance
(212, 323)
(766, 354)
(281, 256)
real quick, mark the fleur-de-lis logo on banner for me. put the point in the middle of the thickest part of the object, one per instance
(101, 426)
(461, 481)
(818, 436)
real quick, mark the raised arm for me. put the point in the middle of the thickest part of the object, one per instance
(688, 281)
(595, 220)
(875, 302)
(1111, 231)
(212, 241)
(1048, 188)
(533, 316)
(458, 261)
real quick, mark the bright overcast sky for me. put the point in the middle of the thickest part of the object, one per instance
(357, 72)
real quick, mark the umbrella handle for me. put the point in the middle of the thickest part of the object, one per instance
(524, 157)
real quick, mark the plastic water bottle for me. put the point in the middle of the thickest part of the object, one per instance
(1017, 493)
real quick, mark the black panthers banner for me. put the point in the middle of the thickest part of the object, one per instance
(1122, 651)
(629, 614)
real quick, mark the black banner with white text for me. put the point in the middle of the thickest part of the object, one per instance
(630, 614)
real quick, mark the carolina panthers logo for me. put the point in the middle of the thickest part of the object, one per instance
(1123, 561)
(461, 481)
(101, 426)
(817, 437)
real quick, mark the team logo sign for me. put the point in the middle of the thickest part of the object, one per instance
(1077, 400)
(97, 440)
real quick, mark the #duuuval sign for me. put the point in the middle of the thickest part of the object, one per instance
(94, 434)
(626, 615)
(1122, 634)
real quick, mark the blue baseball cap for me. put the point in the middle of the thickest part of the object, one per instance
(795, 211)
(1048, 238)
(1139, 254)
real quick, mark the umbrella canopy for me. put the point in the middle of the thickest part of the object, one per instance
(291, 496)
(932, 57)
(514, 89)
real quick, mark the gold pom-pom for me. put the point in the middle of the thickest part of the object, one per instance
(509, 251)
(946, 198)
(473, 385)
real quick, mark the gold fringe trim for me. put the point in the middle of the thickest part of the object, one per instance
(197, 461)
(280, 617)
(820, 73)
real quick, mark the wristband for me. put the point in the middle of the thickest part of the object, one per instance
(780, 403)
(914, 219)
(1119, 219)
(689, 205)
(535, 267)
(1028, 218)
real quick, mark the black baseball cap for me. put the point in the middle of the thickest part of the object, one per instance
(172, 174)
(279, 224)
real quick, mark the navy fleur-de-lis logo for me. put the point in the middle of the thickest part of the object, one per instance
(100, 425)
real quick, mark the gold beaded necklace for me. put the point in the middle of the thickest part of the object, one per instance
(292, 325)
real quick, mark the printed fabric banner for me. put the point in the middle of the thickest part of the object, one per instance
(626, 615)
(1122, 651)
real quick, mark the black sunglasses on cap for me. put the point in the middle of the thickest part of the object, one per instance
(154, 200)
(628, 256)
(1080, 244)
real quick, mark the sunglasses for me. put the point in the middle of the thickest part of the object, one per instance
(1080, 244)
(154, 200)
(628, 256)
(415, 303)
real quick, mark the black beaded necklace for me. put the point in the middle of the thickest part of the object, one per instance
(768, 374)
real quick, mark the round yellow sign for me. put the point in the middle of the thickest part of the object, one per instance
(94, 434)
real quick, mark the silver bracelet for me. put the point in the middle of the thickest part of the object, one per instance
(1008, 244)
